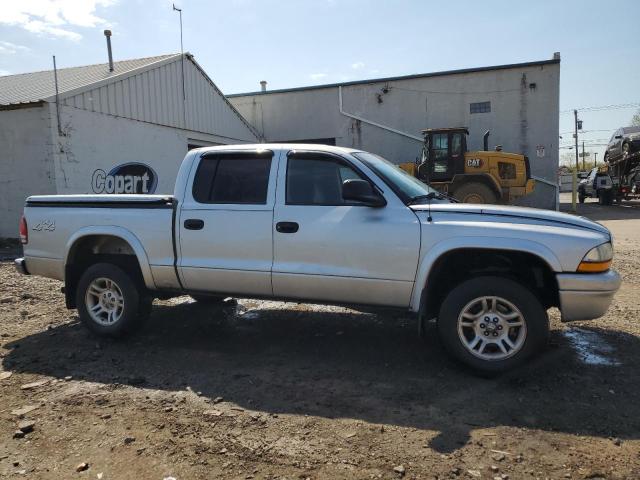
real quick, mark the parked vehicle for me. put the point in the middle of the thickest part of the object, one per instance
(327, 225)
(470, 177)
(623, 142)
(619, 177)
(588, 187)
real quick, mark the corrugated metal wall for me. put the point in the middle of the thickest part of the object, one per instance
(155, 96)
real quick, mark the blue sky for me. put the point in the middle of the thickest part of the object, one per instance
(293, 43)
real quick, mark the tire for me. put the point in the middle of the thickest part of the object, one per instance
(475, 192)
(209, 299)
(458, 334)
(605, 197)
(107, 285)
(581, 196)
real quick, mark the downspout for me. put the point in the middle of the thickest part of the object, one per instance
(375, 124)
(55, 78)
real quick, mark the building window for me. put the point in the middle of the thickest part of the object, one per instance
(480, 107)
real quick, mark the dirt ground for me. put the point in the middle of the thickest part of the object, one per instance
(270, 390)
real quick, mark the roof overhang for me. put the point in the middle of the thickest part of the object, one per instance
(20, 106)
(404, 77)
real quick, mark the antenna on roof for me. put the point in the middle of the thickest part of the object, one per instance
(184, 93)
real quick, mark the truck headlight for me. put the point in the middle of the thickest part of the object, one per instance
(597, 259)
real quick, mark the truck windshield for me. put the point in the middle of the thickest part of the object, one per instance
(404, 185)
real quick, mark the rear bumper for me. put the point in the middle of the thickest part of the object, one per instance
(21, 266)
(586, 296)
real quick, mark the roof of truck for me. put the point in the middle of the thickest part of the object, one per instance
(280, 146)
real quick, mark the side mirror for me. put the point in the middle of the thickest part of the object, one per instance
(618, 137)
(361, 191)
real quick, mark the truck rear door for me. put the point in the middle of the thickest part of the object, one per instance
(226, 221)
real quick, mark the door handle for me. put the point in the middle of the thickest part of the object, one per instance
(194, 224)
(287, 227)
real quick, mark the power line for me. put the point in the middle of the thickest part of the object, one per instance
(602, 107)
(589, 131)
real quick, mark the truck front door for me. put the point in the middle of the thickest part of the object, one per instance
(329, 249)
(225, 223)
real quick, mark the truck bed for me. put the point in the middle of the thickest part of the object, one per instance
(54, 222)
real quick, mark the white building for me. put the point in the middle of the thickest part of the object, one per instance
(135, 120)
(518, 103)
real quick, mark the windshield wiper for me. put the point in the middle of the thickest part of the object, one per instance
(431, 196)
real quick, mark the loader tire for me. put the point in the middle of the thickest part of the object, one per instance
(475, 192)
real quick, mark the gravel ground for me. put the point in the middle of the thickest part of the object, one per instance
(282, 390)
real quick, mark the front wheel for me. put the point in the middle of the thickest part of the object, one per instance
(109, 301)
(492, 324)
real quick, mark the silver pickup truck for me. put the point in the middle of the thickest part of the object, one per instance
(326, 225)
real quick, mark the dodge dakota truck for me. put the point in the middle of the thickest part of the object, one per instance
(326, 225)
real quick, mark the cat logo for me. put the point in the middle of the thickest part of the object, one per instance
(474, 162)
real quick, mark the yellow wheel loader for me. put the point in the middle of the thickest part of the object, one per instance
(470, 177)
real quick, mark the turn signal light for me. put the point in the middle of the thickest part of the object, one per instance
(594, 267)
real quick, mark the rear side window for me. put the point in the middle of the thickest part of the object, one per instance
(241, 180)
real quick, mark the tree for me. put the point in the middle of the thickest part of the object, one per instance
(635, 120)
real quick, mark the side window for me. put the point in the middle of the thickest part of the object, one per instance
(240, 180)
(317, 181)
(456, 144)
(506, 171)
(440, 152)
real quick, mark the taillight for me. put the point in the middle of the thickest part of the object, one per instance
(24, 231)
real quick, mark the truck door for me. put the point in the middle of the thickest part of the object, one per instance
(326, 248)
(225, 223)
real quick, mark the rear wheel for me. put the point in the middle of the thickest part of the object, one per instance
(110, 302)
(605, 197)
(475, 192)
(492, 324)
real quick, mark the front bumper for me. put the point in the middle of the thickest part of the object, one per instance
(585, 296)
(21, 266)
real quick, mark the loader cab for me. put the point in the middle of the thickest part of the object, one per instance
(443, 153)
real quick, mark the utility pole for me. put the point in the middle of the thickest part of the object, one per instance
(595, 159)
(574, 190)
(583, 167)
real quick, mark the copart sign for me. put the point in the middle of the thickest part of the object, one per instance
(125, 178)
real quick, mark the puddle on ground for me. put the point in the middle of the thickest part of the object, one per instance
(591, 347)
